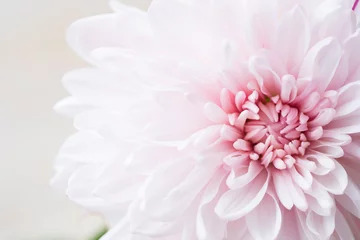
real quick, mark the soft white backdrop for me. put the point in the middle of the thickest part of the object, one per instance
(33, 57)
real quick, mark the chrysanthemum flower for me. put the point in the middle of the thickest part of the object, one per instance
(217, 119)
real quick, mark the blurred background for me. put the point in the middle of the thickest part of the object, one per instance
(33, 58)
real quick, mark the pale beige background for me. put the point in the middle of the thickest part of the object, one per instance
(33, 57)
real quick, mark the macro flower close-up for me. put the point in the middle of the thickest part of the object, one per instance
(217, 120)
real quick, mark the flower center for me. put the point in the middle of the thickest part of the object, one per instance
(270, 131)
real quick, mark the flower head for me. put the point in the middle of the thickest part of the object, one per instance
(212, 120)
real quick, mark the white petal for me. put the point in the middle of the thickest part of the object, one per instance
(334, 138)
(301, 176)
(267, 79)
(293, 38)
(324, 199)
(350, 200)
(208, 225)
(321, 62)
(116, 185)
(70, 107)
(316, 207)
(264, 222)
(352, 51)
(147, 158)
(215, 114)
(321, 160)
(207, 136)
(304, 230)
(237, 180)
(236, 203)
(342, 228)
(143, 225)
(155, 188)
(335, 181)
(349, 99)
(346, 125)
(282, 190)
(180, 196)
(237, 230)
(340, 23)
(322, 226)
(323, 118)
(290, 227)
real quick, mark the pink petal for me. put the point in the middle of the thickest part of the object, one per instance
(227, 100)
(237, 160)
(230, 133)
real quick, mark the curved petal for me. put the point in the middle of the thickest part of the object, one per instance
(282, 190)
(289, 193)
(334, 138)
(322, 226)
(301, 176)
(239, 180)
(324, 199)
(342, 228)
(317, 208)
(236, 203)
(267, 79)
(321, 62)
(264, 222)
(177, 196)
(109, 30)
(349, 99)
(237, 230)
(293, 38)
(335, 181)
(348, 124)
(208, 225)
(350, 200)
(215, 114)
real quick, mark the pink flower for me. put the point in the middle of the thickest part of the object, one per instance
(213, 119)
